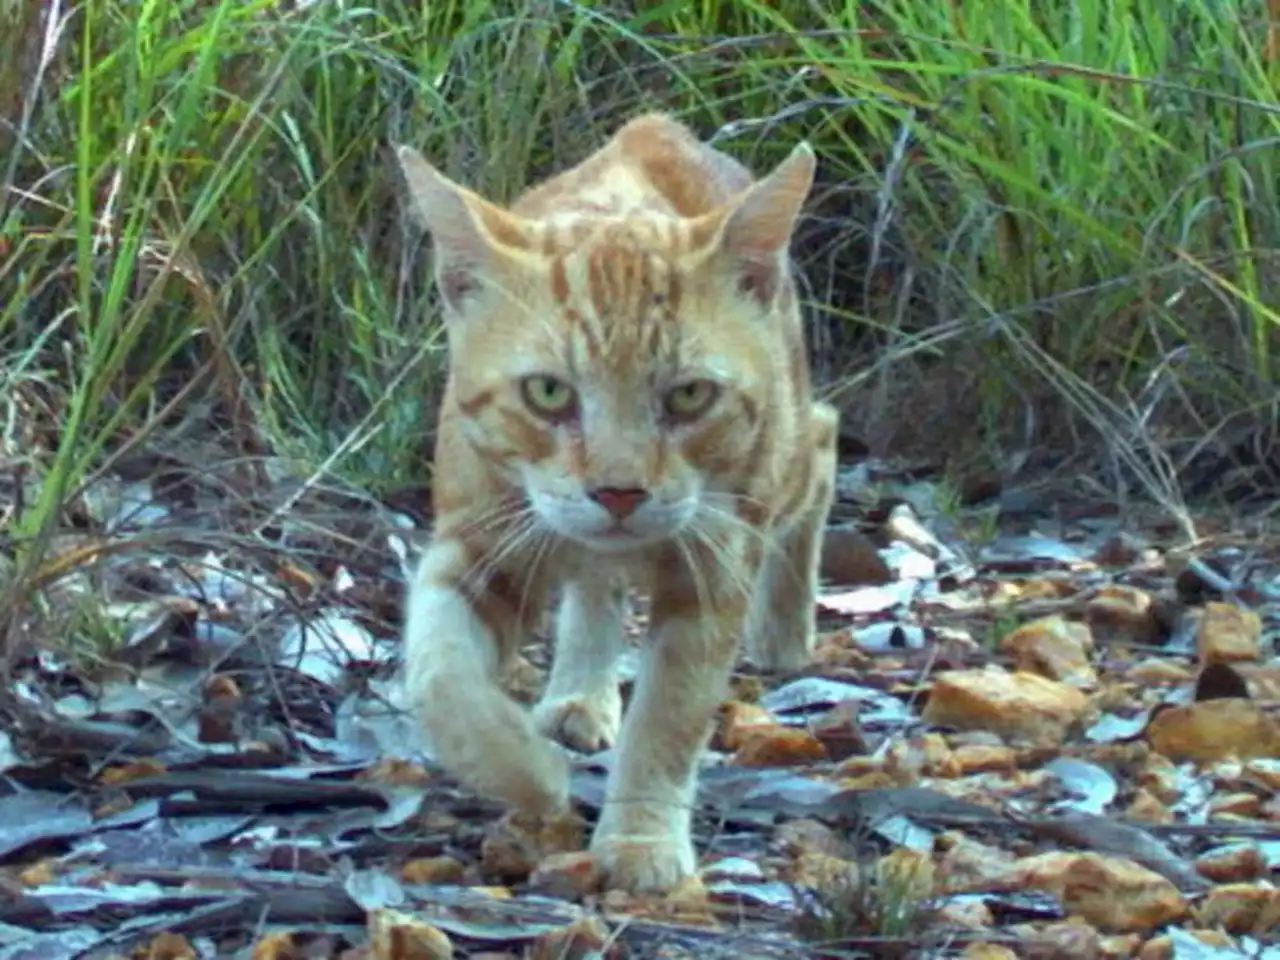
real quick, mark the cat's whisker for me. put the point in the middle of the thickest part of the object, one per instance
(690, 558)
(768, 544)
(543, 546)
(478, 573)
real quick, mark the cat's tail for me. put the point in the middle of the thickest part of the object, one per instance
(477, 733)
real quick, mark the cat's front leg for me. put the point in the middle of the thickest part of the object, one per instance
(454, 647)
(582, 706)
(643, 840)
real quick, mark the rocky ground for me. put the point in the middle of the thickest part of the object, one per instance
(1035, 727)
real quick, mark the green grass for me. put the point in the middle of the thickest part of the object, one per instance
(1024, 204)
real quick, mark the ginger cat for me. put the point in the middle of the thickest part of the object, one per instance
(628, 401)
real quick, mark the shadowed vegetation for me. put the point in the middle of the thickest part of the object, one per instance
(1040, 227)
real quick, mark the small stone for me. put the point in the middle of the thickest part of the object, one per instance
(737, 720)
(405, 937)
(1054, 647)
(1227, 634)
(1019, 706)
(1122, 614)
(432, 870)
(1213, 730)
(778, 746)
(571, 875)
(1241, 908)
(1235, 864)
(1111, 893)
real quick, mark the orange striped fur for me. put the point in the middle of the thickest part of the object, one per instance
(628, 403)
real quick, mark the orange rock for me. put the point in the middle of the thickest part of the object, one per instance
(1118, 947)
(967, 864)
(584, 937)
(979, 758)
(167, 946)
(399, 936)
(987, 951)
(1160, 776)
(1147, 806)
(1053, 647)
(281, 945)
(1122, 614)
(1213, 730)
(515, 844)
(1233, 864)
(1238, 804)
(737, 719)
(778, 746)
(1070, 939)
(1111, 893)
(1241, 908)
(568, 876)
(1158, 672)
(1264, 773)
(40, 873)
(1018, 706)
(432, 870)
(1227, 633)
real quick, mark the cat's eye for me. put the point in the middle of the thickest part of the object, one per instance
(549, 397)
(690, 400)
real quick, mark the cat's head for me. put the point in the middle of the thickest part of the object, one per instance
(620, 369)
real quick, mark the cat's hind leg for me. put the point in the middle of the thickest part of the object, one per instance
(780, 628)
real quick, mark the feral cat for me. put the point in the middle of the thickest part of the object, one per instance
(628, 402)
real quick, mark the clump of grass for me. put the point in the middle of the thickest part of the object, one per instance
(887, 899)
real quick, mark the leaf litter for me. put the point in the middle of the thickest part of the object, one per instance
(1019, 737)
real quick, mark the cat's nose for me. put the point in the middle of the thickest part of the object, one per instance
(622, 502)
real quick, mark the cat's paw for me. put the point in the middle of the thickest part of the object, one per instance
(647, 864)
(585, 723)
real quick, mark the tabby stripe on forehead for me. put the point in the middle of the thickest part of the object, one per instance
(559, 280)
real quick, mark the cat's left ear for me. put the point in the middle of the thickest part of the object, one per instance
(753, 231)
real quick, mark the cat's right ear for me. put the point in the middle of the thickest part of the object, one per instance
(467, 231)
